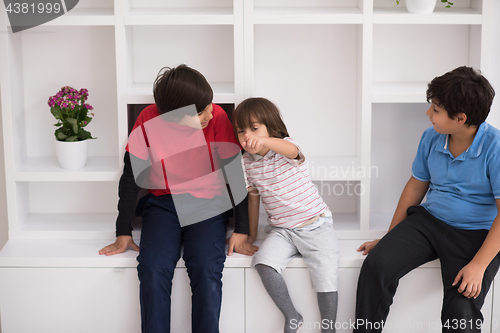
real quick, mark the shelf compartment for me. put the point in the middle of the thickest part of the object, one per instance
(305, 15)
(67, 226)
(65, 210)
(87, 13)
(324, 108)
(48, 169)
(41, 73)
(147, 55)
(399, 126)
(142, 93)
(399, 92)
(400, 15)
(397, 47)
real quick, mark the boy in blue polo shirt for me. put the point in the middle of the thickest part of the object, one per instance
(458, 166)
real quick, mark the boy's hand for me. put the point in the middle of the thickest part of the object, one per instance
(472, 279)
(238, 243)
(121, 244)
(368, 246)
(253, 143)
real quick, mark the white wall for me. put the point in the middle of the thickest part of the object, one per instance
(494, 76)
(3, 194)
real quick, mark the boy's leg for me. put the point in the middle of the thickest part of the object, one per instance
(327, 302)
(273, 256)
(456, 250)
(406, 247)
(159, 252)
(276, 288)
(204, 254)
(320, 251)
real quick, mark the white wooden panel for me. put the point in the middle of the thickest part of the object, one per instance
(69, 300)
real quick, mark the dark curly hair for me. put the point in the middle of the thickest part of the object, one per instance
(463, 90)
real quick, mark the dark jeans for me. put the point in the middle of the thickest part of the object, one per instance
(160, 249)
(418, 239)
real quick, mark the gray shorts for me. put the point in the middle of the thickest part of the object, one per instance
(318, 247)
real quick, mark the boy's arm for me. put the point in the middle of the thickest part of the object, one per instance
(472, 274)
(241, 242)
(253, 214)
(280, 146)
(412, 195)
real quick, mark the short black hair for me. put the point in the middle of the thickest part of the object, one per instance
(463, 90)
(181, 86)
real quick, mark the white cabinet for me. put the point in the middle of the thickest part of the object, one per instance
(101, 300)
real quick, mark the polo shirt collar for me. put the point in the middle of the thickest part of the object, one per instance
(477, 145)
(475, 148)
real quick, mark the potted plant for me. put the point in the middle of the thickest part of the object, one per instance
(69, 107)
(423, 6)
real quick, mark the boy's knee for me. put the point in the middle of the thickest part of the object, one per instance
(373, 264)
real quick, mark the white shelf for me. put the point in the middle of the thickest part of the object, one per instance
(48, 169)
(304, 15)
(400, 15)
(399, 92)
(142, 93)
(179, 16)
(85, 17)
(85, 253)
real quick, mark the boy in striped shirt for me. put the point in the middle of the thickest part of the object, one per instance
(299, 220)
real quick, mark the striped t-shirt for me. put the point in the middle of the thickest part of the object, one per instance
(288, 195)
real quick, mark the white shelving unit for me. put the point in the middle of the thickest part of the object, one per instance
(348, 75)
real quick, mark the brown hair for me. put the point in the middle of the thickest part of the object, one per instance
(181, 86)
(263, 111)
(463, 90)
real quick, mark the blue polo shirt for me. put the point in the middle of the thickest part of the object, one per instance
(462, 190)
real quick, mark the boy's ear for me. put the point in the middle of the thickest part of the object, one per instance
(462, 118)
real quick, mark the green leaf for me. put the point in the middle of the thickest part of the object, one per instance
(56, 112)
(60, 135)
(84, 135)
(74, 124)
(72, 138)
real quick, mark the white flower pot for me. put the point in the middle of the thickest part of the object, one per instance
(420, 6)
(72, 155)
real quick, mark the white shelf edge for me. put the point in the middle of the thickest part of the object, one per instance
(48, 169)
(179, 16)
(84, 253)
(306, 15)
(84, 17)
(399, 92)
(462, 16)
